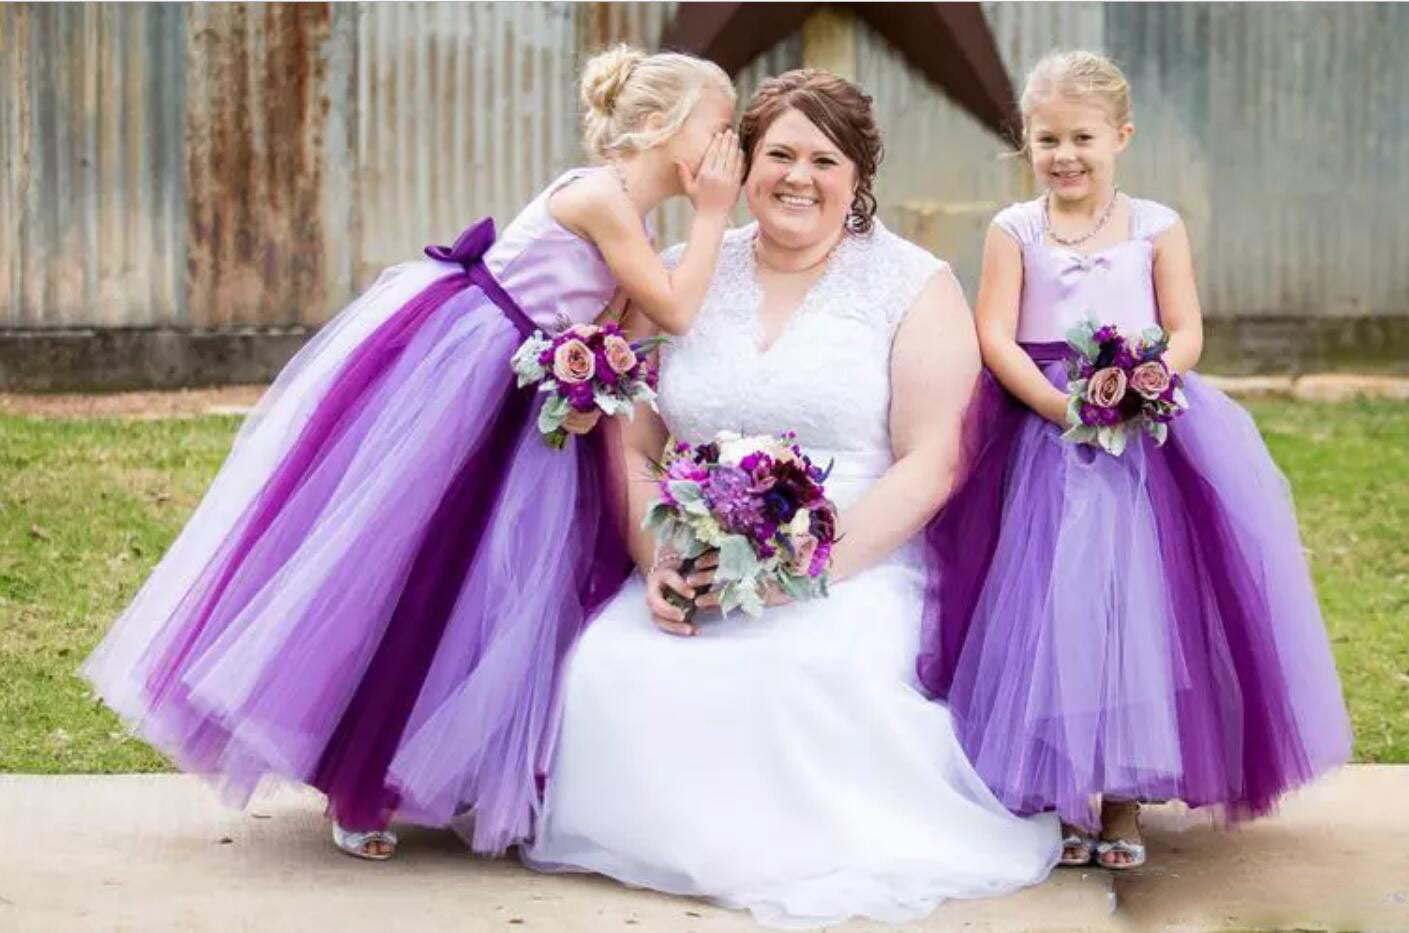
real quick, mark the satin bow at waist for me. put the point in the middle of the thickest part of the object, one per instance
(468, 251)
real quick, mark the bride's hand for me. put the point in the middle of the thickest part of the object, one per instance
(668, 618)
(772, 594)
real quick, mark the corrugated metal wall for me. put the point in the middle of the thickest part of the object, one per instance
(260, 247)
(92, 193)
(1279, 131)
(218, 166)
(462, 109)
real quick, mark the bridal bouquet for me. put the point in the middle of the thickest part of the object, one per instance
(586, 366)
(1118, 387)
(758, 501)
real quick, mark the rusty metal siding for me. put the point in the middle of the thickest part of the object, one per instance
(255, 122)
(92, 195)
(233, 165)
(463, 110)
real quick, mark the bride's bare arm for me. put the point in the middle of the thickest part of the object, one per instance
(644, 440)
(934, 367)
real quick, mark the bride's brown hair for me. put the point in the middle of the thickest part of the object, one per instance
(840, 109)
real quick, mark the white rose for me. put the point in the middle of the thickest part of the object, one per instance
(801, 523)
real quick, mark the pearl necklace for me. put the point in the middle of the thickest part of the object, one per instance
(1076, 241)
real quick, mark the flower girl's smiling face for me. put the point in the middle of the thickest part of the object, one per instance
(1074, 146)
(800, 185)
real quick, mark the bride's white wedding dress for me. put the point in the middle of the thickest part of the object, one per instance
(787, 764)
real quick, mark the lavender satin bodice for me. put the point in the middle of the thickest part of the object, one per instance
(556, 276)
(1061, 286)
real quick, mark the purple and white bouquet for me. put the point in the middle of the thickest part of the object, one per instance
(761, 503)
(1118, 387)
(587, 366)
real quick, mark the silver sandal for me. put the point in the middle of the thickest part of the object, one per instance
(1080, 841)
(1136, 851)
(355, 844)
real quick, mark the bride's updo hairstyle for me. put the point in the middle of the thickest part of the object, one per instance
(841, 110)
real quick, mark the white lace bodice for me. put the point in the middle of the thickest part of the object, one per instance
(826, 376)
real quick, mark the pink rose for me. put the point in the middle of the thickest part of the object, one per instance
(620, 357)
(573, 362)
(1150, 379)
(804, 548)
(1106, 388)
(585, 331)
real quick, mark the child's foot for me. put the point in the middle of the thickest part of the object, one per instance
(1121, 846)
(1077, 846)
(376, 846)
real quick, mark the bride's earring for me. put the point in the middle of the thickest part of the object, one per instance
(858, 218)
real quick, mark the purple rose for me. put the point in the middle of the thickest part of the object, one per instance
(759, 467)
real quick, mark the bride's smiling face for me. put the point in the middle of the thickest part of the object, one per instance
(800, 185)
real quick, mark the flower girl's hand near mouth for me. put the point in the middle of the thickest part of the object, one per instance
(714, 186)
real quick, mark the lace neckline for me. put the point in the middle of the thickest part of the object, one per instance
(753, 299)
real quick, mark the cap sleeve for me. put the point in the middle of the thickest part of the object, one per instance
(1151, 218)
(1021, 221)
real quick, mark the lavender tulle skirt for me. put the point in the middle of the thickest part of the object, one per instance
(1142, 627)
(377, 593)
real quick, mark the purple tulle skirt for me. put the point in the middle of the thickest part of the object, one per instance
(1142, 627)
(378, 592)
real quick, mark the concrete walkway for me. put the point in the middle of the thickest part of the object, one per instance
(159, 852)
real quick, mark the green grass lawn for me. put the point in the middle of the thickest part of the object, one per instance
(86, 507)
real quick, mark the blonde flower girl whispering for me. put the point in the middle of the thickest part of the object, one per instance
(1115, 629)
(377, 592)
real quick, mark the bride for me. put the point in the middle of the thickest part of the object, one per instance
(789, 764)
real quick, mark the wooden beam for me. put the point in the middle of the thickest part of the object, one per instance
(733, 34)
(949, 43)
(829, 40)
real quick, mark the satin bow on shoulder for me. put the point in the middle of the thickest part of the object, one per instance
(469, 247)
